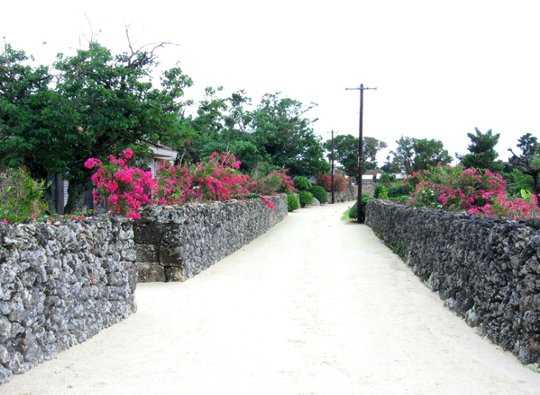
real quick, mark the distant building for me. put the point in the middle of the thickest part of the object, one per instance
(160, 155)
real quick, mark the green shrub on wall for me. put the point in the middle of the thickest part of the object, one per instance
(319, 193)
(301, 183)
(21, 197)
(306, 198)
(292, 202)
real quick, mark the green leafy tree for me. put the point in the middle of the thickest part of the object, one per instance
(529, 160)
(414, 154)
(283, 133)
(346, 152)
(221, 124)
(33, 117)
(114, 105)
(482, 154)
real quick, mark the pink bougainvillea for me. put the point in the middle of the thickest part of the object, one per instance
(475, 191)
(122, 188)
(125, 189)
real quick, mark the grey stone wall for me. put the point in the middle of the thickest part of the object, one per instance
(61, 284)
(176, 243)
(486, 270)
(345, 196)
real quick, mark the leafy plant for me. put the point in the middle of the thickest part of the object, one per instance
(353, 211)
(270, 181)
(21, 197)
(381, 192)
(472, 190)
(306, 198)
(302, 183)
(319, 193)
(340, 182)
(292, 202)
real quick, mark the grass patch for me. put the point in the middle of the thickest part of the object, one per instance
(345, 215)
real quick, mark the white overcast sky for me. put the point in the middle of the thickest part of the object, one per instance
(442, 68)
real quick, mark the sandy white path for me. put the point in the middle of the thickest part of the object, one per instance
(315, 306)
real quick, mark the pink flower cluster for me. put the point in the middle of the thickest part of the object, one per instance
(472, 190)
(122, 188)
(125, 189)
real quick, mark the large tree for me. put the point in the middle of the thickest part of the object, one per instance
(482, 154)
(33, 117)
(528, 162)
(283, 132)
(346, 152)
(414, 154)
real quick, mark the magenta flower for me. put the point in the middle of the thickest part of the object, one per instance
(91, 163)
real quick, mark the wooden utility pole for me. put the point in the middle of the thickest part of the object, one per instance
(360, 158)
(332, 175)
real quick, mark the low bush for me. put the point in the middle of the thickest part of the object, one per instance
(21, 197)
(353, 212)
(270, 181)
(319, 193)
(292, 202)
(302, 183)
(381, 192)
(306, 198)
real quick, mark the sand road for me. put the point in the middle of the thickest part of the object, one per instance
(315, 306)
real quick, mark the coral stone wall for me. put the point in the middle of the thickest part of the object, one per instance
(347, 195)
(486, 270)
(59, 285)
(176, 243)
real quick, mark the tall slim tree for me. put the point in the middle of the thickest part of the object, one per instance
(482, 154)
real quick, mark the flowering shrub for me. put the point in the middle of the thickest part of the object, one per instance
(219, 178)
(340, 182)
(273, 182)
(124, 189)
(472, 190)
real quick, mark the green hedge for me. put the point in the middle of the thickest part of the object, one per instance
(306, 198)
(292, 202)
(319, 193)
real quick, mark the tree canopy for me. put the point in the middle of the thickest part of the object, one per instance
(346, 152)
(93, 104)
(414, 154)
(528, 162)
(482, 154)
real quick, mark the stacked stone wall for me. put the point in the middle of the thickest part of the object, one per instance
(61, 284)
(486, 270)
(176, 243)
